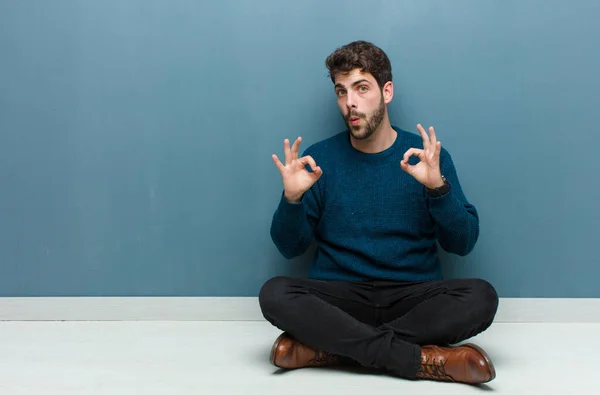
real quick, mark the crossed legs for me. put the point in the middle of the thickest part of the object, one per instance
(379, 324)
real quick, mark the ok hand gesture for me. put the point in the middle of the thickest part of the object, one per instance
(296, 179)
(427, 171)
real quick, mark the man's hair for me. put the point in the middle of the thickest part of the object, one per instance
(363, 55)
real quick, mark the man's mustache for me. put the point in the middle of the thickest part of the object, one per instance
(355, 114)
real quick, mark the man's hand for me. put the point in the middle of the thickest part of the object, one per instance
(427, 171)
(296, 179)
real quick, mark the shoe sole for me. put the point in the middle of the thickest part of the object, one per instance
(274, 348)
(487, 358)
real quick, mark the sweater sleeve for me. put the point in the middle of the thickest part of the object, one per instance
(456, 220)
(293, 224)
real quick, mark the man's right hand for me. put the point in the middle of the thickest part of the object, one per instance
(296, 179)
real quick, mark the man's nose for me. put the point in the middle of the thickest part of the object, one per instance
(350, 101)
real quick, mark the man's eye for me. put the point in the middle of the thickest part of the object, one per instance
(341, 93)
(363, 88)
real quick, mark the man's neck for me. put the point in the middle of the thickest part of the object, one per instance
(382, 139)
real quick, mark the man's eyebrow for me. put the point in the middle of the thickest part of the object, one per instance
(338, 85)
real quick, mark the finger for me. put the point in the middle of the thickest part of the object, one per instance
(308, 160)
(316, 174)
(286, 150)
(433, 138)
(295, 148)
(278, 163)
(412, 151)
(426, 141)
(406, 167)
(438, 149)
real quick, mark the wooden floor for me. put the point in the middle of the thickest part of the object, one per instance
(205, 358)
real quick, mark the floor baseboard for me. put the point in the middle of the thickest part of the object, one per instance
(510, 310)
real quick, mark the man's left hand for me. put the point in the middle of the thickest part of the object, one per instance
(427, 171)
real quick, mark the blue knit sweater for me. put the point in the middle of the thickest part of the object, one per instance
(371, 220)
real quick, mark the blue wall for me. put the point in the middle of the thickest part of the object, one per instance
(136, 135)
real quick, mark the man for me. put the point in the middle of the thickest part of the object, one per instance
(377, 200)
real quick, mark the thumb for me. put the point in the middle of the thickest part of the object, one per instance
(308, 160)
(406, 167)
(316, 173)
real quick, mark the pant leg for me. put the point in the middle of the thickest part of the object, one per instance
(440, 312)
(338, 318)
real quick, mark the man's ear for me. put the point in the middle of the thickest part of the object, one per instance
(388, 92)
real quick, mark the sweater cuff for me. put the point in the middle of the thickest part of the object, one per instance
(288, 210)
(445, 206)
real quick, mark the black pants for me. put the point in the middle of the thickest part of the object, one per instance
(379, 324)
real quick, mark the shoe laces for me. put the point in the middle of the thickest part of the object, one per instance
(322, 358)
(432, 369)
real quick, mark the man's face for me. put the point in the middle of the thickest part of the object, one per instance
(360, 101)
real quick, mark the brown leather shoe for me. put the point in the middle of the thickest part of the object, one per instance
(466, 363)
(289, 353)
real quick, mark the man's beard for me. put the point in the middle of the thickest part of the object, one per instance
(373, 122)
